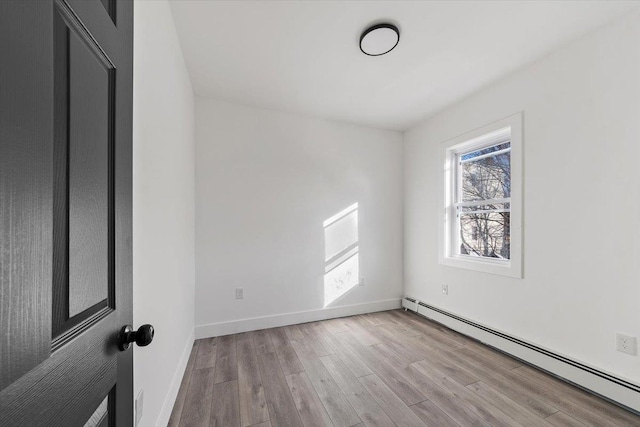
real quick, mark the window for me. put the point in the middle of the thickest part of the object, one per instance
(482, 227)
(483, 201)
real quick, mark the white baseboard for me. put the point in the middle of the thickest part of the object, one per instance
(256, 323)
(607, 385)
(172, 393)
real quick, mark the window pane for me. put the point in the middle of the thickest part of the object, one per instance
(486, 178)
(485, 234)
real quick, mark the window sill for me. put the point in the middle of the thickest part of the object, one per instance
(498, 267)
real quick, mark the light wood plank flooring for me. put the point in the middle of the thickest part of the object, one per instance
(381, 369)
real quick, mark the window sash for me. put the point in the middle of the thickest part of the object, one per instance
(458, 174)
(458, 206)
(457, 214)
(457, 228)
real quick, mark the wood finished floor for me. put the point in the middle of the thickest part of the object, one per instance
(381, 369)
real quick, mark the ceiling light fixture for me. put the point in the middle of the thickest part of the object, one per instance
(379, 39)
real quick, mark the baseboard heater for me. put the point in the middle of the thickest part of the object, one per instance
(603, 384)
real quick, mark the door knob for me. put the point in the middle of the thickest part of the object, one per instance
(143, 336)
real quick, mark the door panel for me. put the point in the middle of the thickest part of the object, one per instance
(88, 168)
(65, 201)
(83, 205)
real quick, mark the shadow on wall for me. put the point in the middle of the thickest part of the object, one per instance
(342, 265)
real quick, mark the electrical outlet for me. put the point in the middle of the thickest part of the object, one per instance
(445, 289)
(361, 281)
(626, 344)
(239, 293)
(138, 407)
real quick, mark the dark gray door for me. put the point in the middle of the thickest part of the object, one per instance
(65, 211)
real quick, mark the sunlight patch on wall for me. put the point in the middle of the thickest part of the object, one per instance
(342, 264)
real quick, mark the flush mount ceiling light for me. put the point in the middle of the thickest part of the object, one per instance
(379, 39)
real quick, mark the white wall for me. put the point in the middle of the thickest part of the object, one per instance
(581, 202)
(265, 182)
(163, 208)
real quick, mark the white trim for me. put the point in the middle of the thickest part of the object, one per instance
(513, 126)
(172, 393)
(581, 377)
(264, 322)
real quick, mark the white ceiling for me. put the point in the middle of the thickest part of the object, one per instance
(303, 56)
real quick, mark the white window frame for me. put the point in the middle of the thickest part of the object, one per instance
(509, 128)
